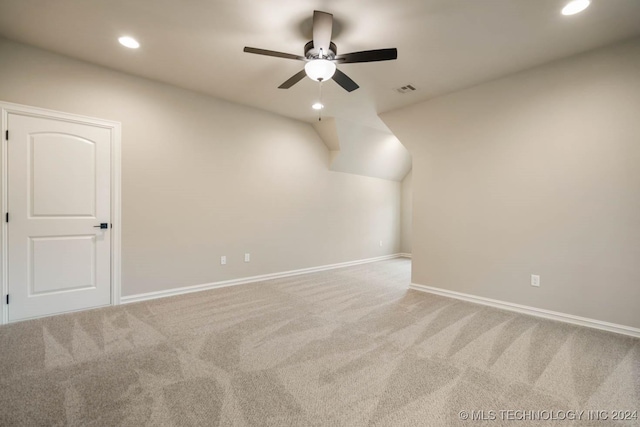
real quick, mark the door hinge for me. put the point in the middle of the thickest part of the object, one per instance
(7, 217)
(6, 134)
(7, 299)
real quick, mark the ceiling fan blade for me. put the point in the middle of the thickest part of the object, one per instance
(368, 56)
(322, 28)
(293, 80)
(273, 53)
(345, 81)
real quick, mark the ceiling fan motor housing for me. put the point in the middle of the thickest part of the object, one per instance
(312, 53)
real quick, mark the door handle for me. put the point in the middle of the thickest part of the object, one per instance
(103, 225)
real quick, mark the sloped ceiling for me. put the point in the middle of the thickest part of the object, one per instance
(364, 150)
(443, 45)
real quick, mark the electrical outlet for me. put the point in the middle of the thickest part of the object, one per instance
(535, 280)
(247, 257)
(223, 260)
(380, 243)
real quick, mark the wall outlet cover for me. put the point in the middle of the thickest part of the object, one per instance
(535, 280)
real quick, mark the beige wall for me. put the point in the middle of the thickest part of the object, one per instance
(535, 173)
(406, 214)
(203, 178)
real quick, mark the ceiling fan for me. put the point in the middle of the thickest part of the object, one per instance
(321, 56)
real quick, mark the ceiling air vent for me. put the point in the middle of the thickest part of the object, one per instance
(405, 89)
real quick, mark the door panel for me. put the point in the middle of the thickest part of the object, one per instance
(62, 191)
(59, 191)
(62, 263)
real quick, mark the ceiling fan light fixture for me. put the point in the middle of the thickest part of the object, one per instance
(320, 69)
(317, 106)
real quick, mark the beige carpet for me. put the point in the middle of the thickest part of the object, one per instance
(346, 347)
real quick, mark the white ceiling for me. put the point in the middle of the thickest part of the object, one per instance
(443, 45)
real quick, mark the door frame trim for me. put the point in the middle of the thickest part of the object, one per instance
(115, 129)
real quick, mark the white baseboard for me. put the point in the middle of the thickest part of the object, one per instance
(533, 311)
(243, 280)
(404, 255)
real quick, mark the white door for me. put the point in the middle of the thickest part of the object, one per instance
(59, 185)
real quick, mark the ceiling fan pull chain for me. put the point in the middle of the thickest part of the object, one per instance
(320, 101)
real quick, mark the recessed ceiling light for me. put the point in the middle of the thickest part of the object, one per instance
(576, 6)
(317, 106)
(129, 42)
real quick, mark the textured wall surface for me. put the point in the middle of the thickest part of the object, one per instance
(535, 173)
(202, 178)
(407, 214)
